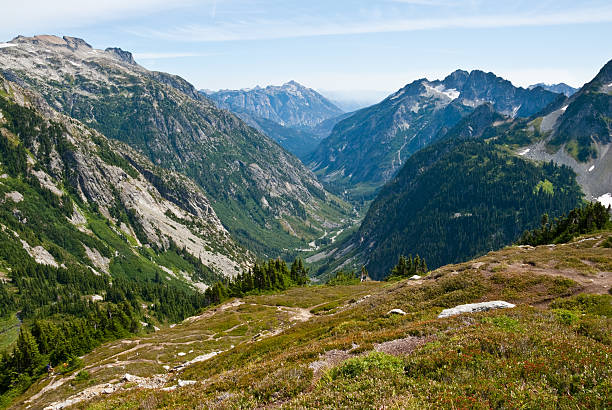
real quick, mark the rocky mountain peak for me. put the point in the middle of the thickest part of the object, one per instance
(73, 43)
(604, 77)
(561, 88)
(293, 83)
(456, 79)
(123, 55)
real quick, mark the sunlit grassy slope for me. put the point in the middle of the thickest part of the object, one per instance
(554, 350)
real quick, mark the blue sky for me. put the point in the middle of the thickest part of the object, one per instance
(343, 45)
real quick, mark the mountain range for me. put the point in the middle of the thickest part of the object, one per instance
(295, 116)
(147, 231)
(264, 196)
(368, 148)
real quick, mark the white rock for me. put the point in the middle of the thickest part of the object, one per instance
(396, 311)
(14, 196)
(182, 353)
(183, 383)
(475, 307)
(415, 277)
(40, 254)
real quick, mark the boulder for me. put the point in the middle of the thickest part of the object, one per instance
(475, 307)
(396, 312)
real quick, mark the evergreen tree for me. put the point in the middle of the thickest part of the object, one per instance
(26, 355)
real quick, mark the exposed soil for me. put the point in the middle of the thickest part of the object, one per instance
(402, 347)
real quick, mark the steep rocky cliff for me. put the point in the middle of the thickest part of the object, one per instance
(117, 203)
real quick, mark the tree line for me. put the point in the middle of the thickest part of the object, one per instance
(273, 275)
(589, 218)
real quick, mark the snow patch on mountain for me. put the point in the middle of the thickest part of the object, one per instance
(525, 151)
(450, 93)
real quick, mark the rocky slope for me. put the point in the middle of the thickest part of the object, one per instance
(576, 132)
(368, 148)
(104, 180)
(265, 197)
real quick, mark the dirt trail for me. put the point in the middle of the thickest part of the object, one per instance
(597, 283)
(295, 315)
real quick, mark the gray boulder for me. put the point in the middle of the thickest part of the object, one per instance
(475, 307)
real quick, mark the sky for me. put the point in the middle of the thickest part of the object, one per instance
(354, 48)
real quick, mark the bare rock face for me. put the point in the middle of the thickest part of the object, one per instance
(40, 254)
(125, 56)
(166, 207)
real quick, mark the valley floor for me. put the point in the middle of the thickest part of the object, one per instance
(337, 346)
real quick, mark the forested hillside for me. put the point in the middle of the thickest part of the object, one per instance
(458, 198)
(90, 249)
(472, 200)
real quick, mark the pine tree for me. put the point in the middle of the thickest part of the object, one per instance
(26, 355)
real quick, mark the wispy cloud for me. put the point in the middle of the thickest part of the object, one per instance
(25, 16)
(161, 56)
(261, 29)
(427, 2)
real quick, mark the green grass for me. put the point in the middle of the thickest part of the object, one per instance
(375, 361)
(9, 331)
(552, 351)
(545, 186)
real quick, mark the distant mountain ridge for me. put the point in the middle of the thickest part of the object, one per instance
(291, 114)
(560, 88)
(366, 149)
(290, 104)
